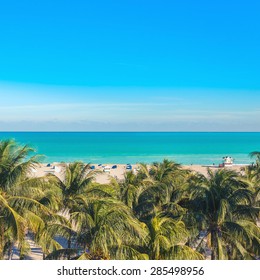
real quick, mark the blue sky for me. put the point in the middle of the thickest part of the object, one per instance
(130, 65)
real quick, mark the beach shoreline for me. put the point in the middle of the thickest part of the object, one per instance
(104, 177)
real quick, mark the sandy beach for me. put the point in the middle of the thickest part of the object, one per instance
(106, 172)
(102, 176)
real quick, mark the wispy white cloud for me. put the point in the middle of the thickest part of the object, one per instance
(58, 108)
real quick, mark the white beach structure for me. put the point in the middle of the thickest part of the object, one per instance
(107, 168)
(228, 161)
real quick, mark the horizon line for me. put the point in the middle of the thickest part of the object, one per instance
(79, 131)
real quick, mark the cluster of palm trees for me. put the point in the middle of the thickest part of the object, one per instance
(161, 212)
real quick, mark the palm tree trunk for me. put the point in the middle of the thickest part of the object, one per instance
(214, 245)
(69, 246)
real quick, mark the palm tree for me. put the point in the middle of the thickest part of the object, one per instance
(20, 197)
(102, 224)
(252, 172)
(109, 227)
(167, 238)
(222, 207)
(133, 185)
(165, 172)
(71, 191)
(257, 155)
(154, 195)
(163, 190)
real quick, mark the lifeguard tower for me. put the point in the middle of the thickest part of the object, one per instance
(228, 161)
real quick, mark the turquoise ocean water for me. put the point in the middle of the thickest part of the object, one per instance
(132, 147)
